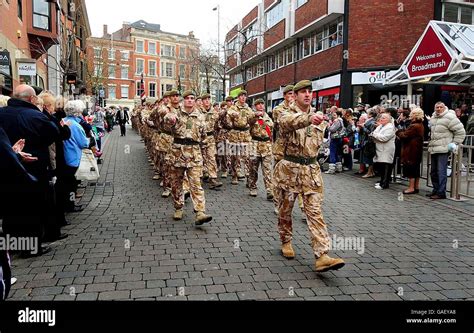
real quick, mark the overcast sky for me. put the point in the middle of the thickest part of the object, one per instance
(178, 16)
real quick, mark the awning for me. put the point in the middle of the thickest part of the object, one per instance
(443, 55)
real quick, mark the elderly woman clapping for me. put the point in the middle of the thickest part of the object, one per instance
(73, 147)
(412, 149)
(384, 137)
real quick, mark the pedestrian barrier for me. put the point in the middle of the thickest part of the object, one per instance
(462, 176)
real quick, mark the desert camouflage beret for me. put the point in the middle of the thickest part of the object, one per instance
(302, 85)
(229, 99)
(173, 92)
(258, 101)
(188, 93)
(204, 96)
(242, 92)
(288, 88)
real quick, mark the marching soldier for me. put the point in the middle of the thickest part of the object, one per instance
(238, 119)
(189, 132)
(299, 172)
(223, 158)
(261, 151)
(170, 103)
(209, 149)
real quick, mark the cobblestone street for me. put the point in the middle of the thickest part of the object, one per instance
(125, 245)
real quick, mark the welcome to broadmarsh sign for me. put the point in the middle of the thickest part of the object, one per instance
(430, 58)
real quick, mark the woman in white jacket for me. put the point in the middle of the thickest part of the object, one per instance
(384, 137)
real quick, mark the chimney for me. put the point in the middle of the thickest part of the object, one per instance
(105, 30)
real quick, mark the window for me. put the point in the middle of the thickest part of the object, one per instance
(125, 55)
(182, 52)
(111, 92)
(231, 47)
(167, 69)
(97, 52)
(182, 71)
(458, 14)
(111, 54)
(467, 15)
(152, 89)
(276, 14)
(151, 48)
(261, 68)
(140, 66)
(167, 51)
(41, 15)
(111, 71)
(124, 72)
(139, 47)
(271, 63)
(290, 55)
(300, 3)
(319, 40)
(139, 88)
(124, 91)
(250, 33)
(97, 70)
(20, 9)
(152, 68)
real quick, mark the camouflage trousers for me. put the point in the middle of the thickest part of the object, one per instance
(209, 156)
(276, 199)
(165, 169)
(239, 152)
(195, 188)
(266, 163)
(312, 202)
(223, 156)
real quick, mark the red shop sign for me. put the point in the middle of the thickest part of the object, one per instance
(430, 58)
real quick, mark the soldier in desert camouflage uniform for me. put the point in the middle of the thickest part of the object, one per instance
(189, 132)
(238, 120)
(170, 102)
(209, 149)
(261, 149)
(299, 172)
(223, 156)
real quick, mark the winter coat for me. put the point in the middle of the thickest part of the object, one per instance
(412, 143)
(384, 137)
(445, 129)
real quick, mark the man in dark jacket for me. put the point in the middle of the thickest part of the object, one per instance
(21, 119)
(122, 119)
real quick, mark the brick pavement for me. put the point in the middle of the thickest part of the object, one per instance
(125, 245)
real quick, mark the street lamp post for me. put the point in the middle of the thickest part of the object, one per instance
(219, 45)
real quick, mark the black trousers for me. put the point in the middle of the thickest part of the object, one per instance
(385, 171)
(69, 184)
(123, 129)
(5, 274)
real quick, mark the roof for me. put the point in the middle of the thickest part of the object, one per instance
(444, 54)
(143, 25)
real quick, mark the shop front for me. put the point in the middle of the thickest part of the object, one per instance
(6, 82)
(441, 65)
(326, 92)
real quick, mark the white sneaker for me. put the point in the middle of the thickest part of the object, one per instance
(13, 280)
(378, 187)
(377, 184)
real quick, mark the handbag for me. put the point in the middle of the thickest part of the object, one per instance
(88, 169)
(369, 149)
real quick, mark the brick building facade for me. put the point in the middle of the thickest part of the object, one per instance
(164, 59)
(345, 47)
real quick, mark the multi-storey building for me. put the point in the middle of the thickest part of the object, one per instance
(67, 60)
(165, 59)
(142, 50)
(27, 30)
(110, 67)
(347, 48)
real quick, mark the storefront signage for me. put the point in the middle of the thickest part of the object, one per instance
(27, 69)
(374, 77)
(5, 63)
(430, 58)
